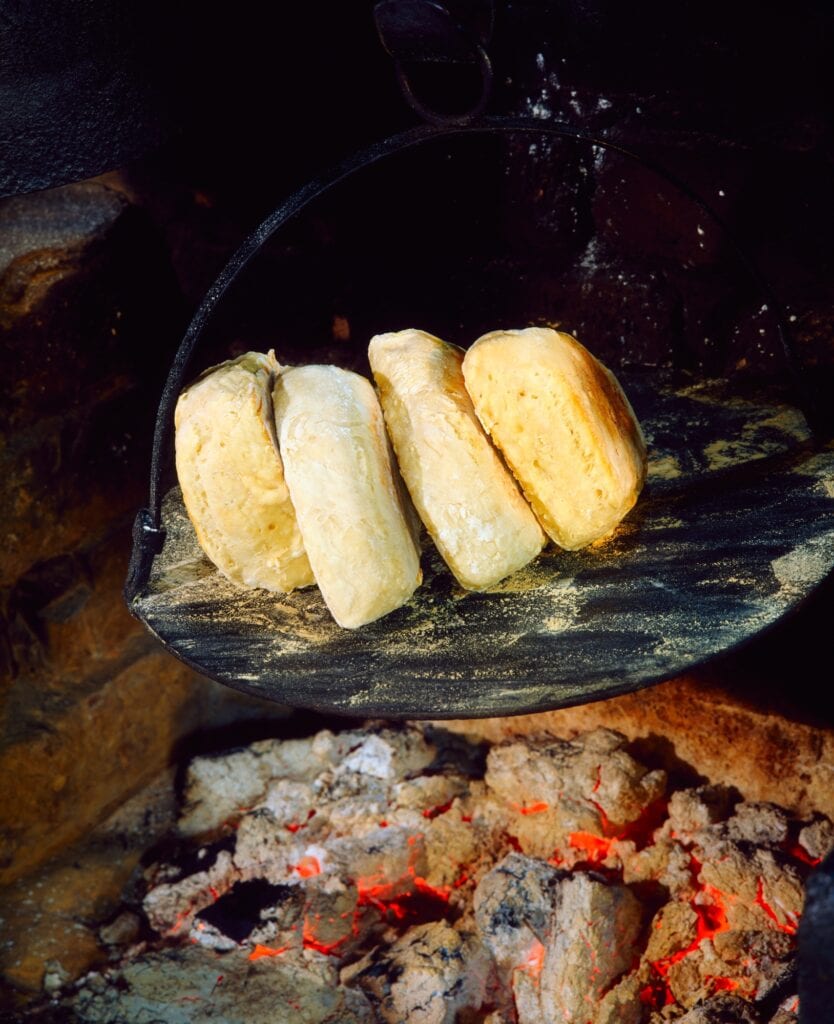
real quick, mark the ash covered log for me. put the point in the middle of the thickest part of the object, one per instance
(193, 985)
(560, 942)
(513, 908)
(426, 977)
(594, 929)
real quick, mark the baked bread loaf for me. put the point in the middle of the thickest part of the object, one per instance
(342, 481)
(465, 496)
(232, 478)
(564, 426)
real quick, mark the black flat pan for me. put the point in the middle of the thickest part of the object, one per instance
(735, 528)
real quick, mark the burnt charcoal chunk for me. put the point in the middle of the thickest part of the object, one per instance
(722, 1010)
(193, 984)
(513, 903)
(580, 784)
(456, 754)
(428, 975)
(691, 810)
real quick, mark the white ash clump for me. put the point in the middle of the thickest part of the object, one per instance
(590, 784)
(817, 838)
(403, 874)
(193, 985)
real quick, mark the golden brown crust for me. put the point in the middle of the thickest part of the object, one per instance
(564, 426)
(615, 407)
(232, 478)
(464, 495)
(342, 481)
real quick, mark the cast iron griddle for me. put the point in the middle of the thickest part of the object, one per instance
(734, 528)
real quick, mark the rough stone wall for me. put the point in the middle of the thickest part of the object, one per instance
(90, 709)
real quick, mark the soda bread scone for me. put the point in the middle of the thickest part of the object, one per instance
(338, 466)
(232, 478)
(468, 501)
(564, 426)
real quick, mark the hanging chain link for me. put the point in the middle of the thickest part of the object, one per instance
(425, 32)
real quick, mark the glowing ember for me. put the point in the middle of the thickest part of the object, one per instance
(375, 891)
(722, 984)
(789, 926)
(711, 920)
(261, 951)
(294, 826)
(801, 854)
(433, 812)
(395, 896)
(712, 915)
(535, 960)
(600, 848)
(311, 942)
(603, 817)
(180, 921)
(438, 892)
(535, 808)
(641, 830)
(650, 997)
(308, 866)
(596, 848)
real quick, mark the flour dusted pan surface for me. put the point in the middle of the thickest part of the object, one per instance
(468, 501)
(339, 470)
(232, 478)
(564, 426)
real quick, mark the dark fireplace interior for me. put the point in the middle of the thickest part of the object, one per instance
(172, 849)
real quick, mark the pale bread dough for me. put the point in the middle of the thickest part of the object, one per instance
(465, 496)
(340, 474)
(564, 426)
(232, 478)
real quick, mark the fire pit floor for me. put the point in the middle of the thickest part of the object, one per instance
(402, 875)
